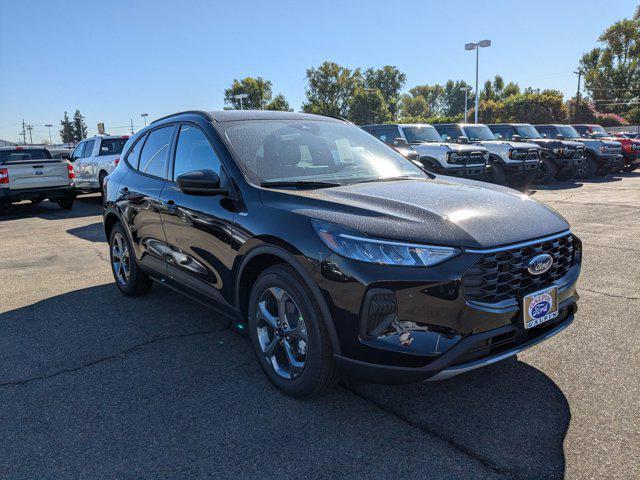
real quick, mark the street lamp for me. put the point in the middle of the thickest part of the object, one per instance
(466, 95)
(49, 127)
(476, 47)
(241, 97)
(144, 116)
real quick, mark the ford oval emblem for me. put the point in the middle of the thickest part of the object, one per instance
(540, 264)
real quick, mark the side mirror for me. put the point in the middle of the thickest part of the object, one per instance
(544, 135)
(462, 139)
(516, 138)
(560, 136)
(400, 142)
(201, 182)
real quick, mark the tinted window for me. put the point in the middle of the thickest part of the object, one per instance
(88, 149)
(112, 146)
(193, 152)
(387, 135)
(504, 130)
(153, 158)
(451, 131)
(133, 156)
(24, 155)
(548, 131)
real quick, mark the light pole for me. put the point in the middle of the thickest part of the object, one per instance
(241, 97)
(144, 117)
(49, 127)
(476, 47)
(466, 96)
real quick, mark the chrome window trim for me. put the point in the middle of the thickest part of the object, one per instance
(518, 245)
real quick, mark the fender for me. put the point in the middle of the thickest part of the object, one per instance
(313, 287)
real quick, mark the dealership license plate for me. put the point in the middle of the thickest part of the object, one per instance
(540, 307)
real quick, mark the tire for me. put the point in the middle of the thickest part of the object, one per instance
(496, 174)
(547, 171)
(630, 168)
(66, 203)
(101, 178)
(129, 277)
(589, 168)
(308, 370)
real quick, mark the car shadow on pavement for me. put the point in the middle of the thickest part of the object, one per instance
(509, 415)
(82, 207)
(94, 232)
(160, 383)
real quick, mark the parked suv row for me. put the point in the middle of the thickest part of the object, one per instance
(630, 146)
(95, 158)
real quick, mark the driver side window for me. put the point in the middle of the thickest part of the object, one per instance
(194, 152)
(77, 153)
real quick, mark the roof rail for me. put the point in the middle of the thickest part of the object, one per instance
(202, 113)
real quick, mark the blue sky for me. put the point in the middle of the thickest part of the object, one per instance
(116, 59)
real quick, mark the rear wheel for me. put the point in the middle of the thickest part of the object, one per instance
(546, 171)
(101, 178)
(289, 335)
(130, 279)
(66, 203)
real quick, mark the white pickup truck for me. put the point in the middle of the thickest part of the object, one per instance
(30, 173)
(94, 158)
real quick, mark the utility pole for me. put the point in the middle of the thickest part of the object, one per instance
(144, 116)
(49, 127)
(132, 126)
(24, 133)
(30, 128)
(579, 73)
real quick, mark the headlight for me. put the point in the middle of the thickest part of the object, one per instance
(383, 252)
(558, 151)
(635, 146)
(604, 148)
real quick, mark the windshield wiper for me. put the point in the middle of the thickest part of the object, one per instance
(299, 184)
(391, 179)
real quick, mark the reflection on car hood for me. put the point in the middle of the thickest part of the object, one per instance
(448, 147)
(510, 143)
(442, 211)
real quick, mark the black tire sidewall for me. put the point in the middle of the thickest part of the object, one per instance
(138, 283)
(286, 278)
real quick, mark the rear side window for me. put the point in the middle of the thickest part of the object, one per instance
(133, 157)
(582, 130)
(155, 152)
(387, 135)
(194, 152)
(77, 153)
(112, 146)
(88, 148)
(24, 155)
(504, 130)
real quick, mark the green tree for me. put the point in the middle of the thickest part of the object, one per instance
(368, 106)
(612, 70)
(416, 107)
(453, 97)
(330, 88)
(258, 90)
(279, 103)
(534, 106)
(433, 95)
(79, 127)
(66, 132)
(389, 81)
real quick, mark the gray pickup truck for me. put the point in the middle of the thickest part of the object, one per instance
(30, 173)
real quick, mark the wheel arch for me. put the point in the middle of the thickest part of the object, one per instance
(257, 261)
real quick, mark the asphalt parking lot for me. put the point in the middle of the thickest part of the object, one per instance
(93, 384)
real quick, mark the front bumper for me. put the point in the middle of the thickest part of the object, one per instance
(467, 171)
(611, 162)
(8, 195)
(458, 359)
(526, 167)
(567, 163)
(631, 159)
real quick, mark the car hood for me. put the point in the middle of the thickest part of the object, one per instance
(596, 143)
(441, 211)
(509, 143)
(555, 143)
(441, 147)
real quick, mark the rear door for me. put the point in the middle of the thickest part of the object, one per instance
(139, 196)
(34, 168)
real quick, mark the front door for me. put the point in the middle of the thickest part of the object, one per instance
(198, 228)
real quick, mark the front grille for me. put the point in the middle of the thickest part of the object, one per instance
(526, 154)
(503, 275)
(470, 158)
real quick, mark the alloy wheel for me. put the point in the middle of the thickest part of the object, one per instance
(120, 258)
(282, 333)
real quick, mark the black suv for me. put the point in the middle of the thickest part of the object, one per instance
(333, 251)
(560, 159)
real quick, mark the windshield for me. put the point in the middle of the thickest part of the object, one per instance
(477, 133)
(598, 131)
(527, 131)
(568, 131)
(312, 151)
(24, 155)
(112, 146)
(422, 133)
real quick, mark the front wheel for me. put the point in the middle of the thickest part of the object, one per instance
(288, 333)
(130, 279)
(589, 168)
(496, 174)
(546, 171)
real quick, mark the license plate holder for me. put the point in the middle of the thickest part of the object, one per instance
(540, 307)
